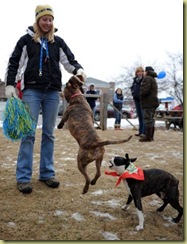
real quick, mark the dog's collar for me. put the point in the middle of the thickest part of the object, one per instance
(75, 95)
(137, 174)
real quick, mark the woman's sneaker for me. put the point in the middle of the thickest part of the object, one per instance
(51, 182)
(24, 187)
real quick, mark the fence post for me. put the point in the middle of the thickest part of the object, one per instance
(103, 111)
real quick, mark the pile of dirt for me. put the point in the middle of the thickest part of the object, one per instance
(66, 214)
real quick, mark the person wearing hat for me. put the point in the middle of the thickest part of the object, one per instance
(149, 102)
(39, 54)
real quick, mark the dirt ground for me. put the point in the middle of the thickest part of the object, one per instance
(66, 214)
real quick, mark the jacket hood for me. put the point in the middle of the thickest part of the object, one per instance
(152, 74)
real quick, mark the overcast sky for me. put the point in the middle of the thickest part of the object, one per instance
(104, 35)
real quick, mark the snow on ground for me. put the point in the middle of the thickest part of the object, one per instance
(112, 203)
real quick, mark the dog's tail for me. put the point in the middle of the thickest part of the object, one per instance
(104, 143)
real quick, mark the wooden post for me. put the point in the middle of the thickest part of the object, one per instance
(103, 111)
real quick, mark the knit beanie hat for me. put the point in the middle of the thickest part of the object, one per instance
(149, 68)
(42, 10)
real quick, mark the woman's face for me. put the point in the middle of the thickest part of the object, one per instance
(45, 23)
(140, 73)
(119, 91)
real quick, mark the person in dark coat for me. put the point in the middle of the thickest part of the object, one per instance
(92, 100)
(135, 91)
(149, 102)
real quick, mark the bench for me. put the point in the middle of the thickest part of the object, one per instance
(168, 115)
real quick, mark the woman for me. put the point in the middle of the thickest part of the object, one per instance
(135, 91)
(38, 54)
(118, 103)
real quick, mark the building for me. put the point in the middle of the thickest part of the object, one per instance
(101, 86)
(2, 91)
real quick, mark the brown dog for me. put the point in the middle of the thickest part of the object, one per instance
(79, 117)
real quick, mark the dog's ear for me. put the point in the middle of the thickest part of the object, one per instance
(127, 156)
(80, 82)
(81, 78)
(72, 82)
(76, 82)
(133, 160)
(130, 159)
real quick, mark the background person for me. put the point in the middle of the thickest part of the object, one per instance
(149, 102)
(118, 103)
(39, 52)
(92, 100)
(135, 91)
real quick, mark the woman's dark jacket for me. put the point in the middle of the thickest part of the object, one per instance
(25, 59)
(118, 101)
(135, 88)
(91, 100)
(149, 91)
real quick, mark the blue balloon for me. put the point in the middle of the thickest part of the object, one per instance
(161, 75)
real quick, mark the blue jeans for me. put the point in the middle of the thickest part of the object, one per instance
(48, 101)
(117, 117)
(139, 112)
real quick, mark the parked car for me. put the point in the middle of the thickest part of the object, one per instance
(178, 107)
(60, 109)
(127, 112)
(162, 107)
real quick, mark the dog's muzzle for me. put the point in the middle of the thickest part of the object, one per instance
(111, 164)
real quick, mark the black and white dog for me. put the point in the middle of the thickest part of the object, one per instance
(156, 181)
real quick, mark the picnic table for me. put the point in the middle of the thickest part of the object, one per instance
(168, 116)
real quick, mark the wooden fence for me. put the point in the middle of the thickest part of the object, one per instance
(104, 101)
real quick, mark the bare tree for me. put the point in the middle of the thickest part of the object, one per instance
(172, 83)
(174, 77)
(125, 79)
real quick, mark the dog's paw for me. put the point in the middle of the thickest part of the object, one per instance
(125, 207)
(60, 125)
(93, 182)
(86, 187)
(176, 220)
(138, 228)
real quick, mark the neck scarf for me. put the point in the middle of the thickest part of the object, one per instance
(131, 171)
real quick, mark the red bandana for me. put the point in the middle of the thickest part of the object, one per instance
(137, 173)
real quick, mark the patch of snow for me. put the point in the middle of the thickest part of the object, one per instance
(11, 224)
(78, 216)
(154, 203)
(109, 236)
(112, 203)
(169, 221)
(99, 192)
(59, 213)
(104, 215)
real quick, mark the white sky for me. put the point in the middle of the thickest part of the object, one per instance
(104, 35)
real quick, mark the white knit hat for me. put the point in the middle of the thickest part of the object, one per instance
(42, 10)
